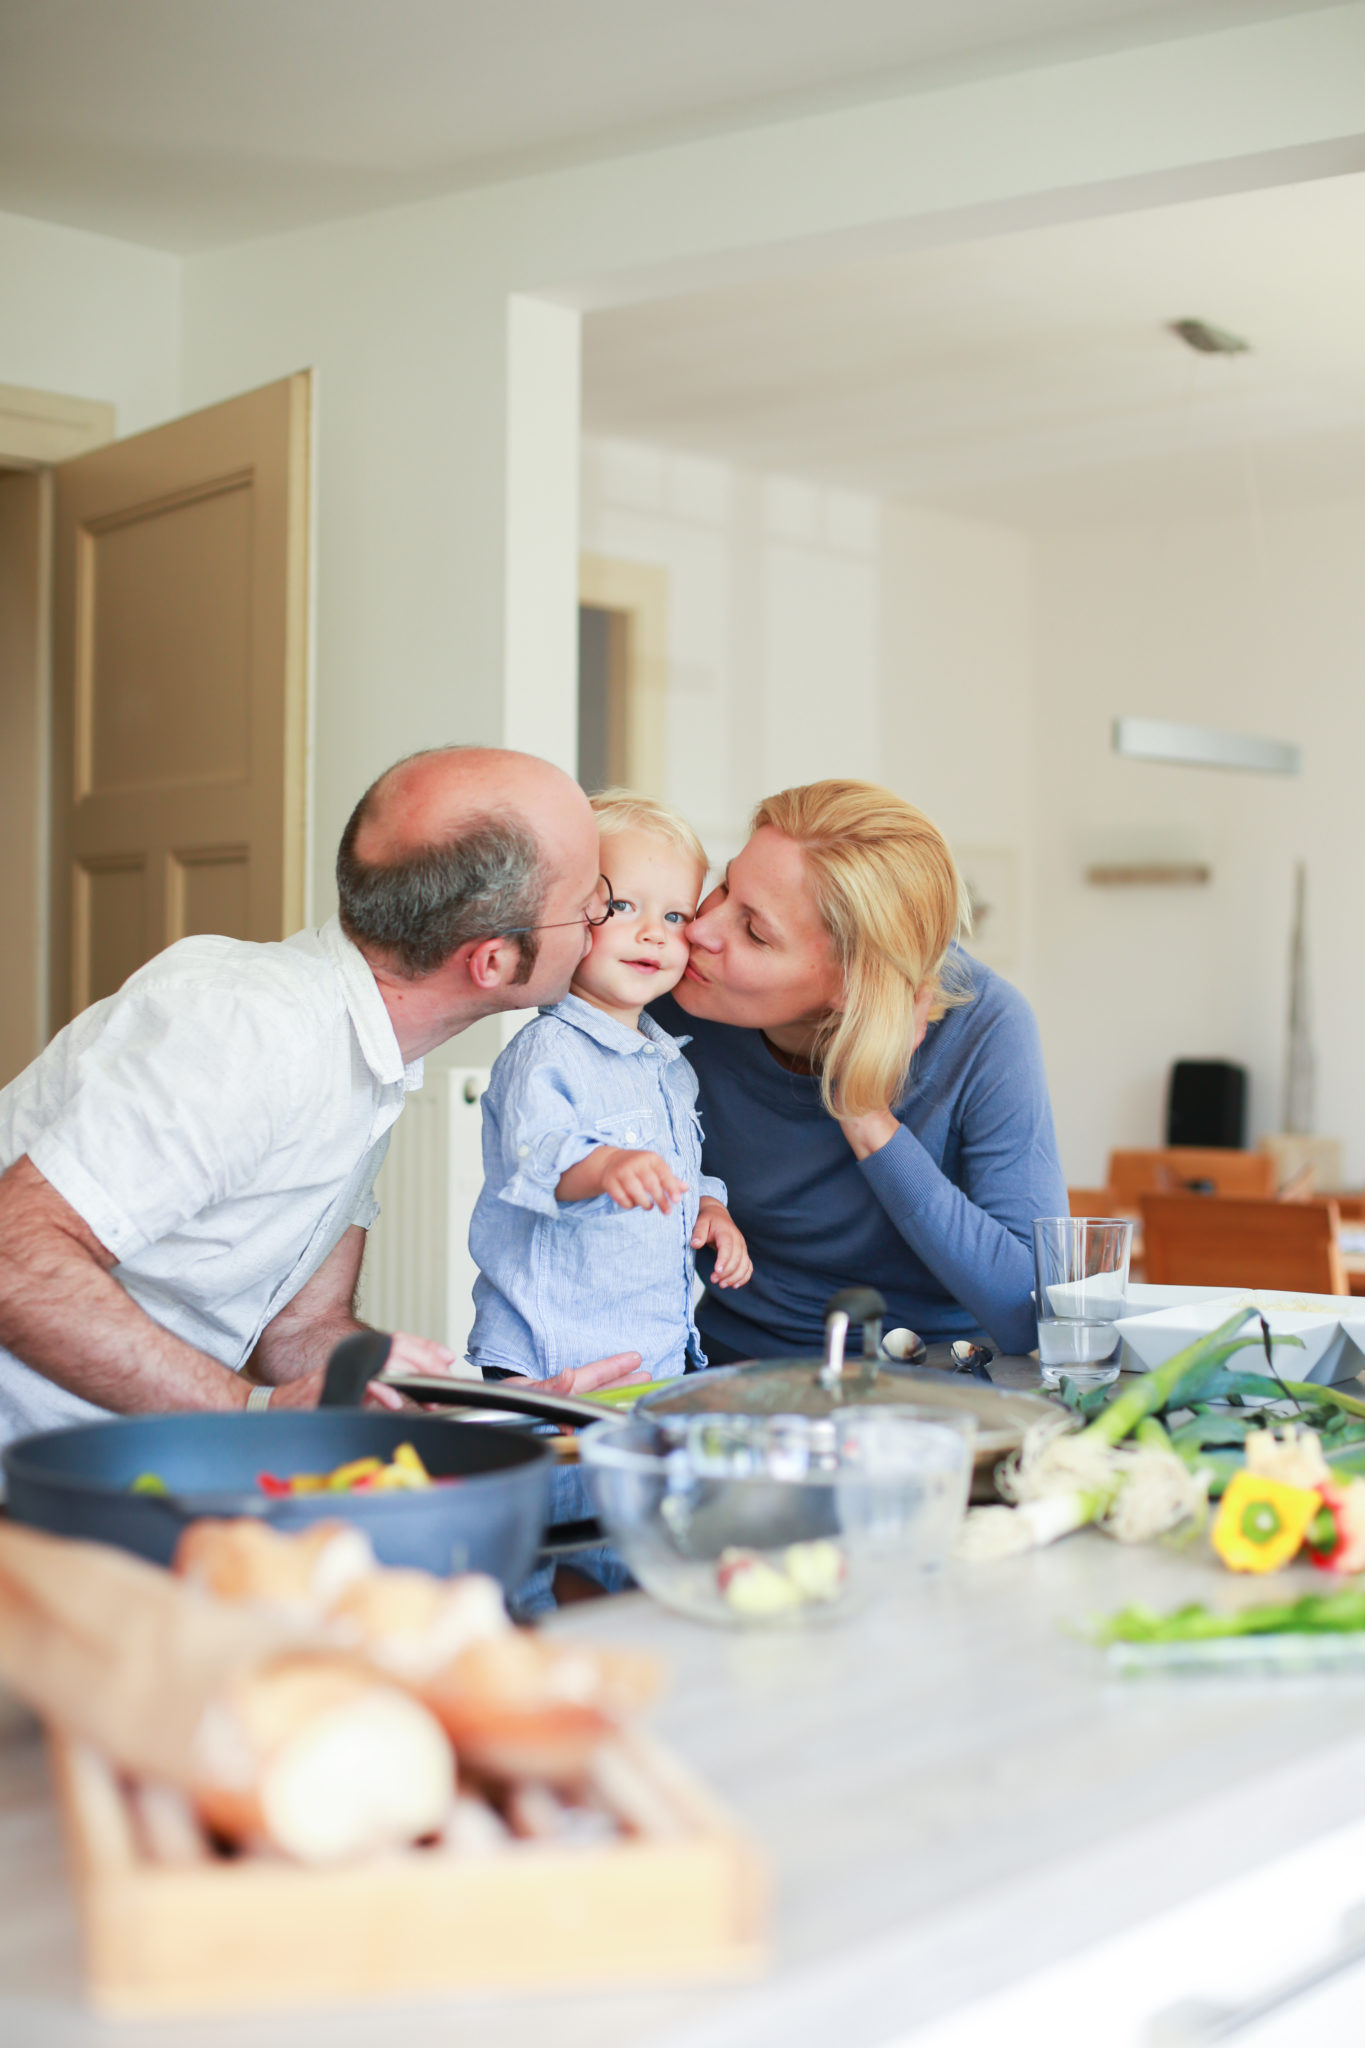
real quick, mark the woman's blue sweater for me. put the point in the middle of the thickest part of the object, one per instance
(940, 1220)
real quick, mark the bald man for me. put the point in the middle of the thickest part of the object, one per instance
(189, 1165)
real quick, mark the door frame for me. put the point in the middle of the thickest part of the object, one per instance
(37, 430)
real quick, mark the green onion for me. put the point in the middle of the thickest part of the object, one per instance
(627, 1396)
(1140, 1490)
(1313, 1614)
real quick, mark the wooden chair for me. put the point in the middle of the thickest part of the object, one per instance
(1237, 1242)
(1189, 1169)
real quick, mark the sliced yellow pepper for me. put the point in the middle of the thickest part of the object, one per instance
(405, 1459)
(1262, 1522)
(345, 1476)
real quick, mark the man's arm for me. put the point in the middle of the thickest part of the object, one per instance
(61, 1313)
(299, 1340)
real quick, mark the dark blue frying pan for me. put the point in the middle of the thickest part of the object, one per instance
(77, 1482)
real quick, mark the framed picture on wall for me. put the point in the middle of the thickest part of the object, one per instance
(992, 878)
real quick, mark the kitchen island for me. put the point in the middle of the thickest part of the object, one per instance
(954, 1796)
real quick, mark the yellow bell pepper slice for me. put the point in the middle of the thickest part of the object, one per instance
(345, 1476)
(1262, 1522)
(406, 1460)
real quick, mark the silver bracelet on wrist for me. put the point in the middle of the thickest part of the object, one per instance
(259, 1397)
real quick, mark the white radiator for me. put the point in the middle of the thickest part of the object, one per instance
(418, 1274)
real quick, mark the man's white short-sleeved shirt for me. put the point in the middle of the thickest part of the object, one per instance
(218, 1124)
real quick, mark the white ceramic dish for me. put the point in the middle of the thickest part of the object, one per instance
(1329, 1326)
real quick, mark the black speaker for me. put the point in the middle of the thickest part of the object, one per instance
(1207, 1104)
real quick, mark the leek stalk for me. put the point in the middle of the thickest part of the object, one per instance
(1139, 1490)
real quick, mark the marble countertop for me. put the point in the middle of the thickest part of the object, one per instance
(952, 1792)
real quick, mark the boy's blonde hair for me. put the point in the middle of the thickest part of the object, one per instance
(892, 901)
(621, 810)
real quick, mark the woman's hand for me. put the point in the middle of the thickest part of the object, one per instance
(867, 1134)
(715, 1225)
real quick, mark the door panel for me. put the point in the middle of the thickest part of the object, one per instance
(209, 892)
(163, 689)
(111, 923)
(179, 685)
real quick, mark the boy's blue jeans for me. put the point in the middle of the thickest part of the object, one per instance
(570, 1501)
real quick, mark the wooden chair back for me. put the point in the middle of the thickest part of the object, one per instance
(1232, 1241)
(1184, 1169)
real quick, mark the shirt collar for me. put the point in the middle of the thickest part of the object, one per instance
(605, 1031)
(373, 1026)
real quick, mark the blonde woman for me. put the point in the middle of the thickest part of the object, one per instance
(873, 1099)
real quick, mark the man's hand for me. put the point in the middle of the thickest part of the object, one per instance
(634, 1180)
(603, 1372)
(411, 1354)
(408, 1353)
(715, 1225)
(424, 1355)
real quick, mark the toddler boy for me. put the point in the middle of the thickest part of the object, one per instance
(594, 1202)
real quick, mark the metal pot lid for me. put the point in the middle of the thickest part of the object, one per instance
(819, 1386)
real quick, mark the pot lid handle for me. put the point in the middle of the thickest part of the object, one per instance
(854, 1305)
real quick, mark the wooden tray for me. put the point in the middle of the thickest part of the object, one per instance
(685, 1899)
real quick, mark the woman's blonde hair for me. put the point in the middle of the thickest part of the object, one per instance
(621, 810)
(892, 900)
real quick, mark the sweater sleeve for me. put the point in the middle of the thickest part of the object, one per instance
(977, 1236)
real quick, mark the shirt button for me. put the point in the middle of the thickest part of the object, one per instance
(522, 1151)
(630, 1137)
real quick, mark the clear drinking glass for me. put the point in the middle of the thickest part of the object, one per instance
(1080, 1266)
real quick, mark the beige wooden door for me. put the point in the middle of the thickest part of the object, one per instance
(179, 661)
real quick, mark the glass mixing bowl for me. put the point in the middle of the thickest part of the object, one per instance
(787, 1519)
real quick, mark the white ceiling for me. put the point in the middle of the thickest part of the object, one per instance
(1029, 378)
(187, 123)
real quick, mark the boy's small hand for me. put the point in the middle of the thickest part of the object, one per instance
(733, 1267)
(640, 1180)
(634, 1180)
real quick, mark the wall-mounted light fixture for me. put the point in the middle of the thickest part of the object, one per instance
(1203, 746)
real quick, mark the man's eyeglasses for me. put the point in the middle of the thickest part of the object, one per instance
(597, 912)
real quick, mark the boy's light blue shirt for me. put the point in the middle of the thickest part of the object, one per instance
(563, 1283)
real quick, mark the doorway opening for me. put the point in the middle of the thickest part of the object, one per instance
(622, 675)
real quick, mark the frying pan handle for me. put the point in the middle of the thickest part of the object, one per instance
(353, 1364)
(513, 1396)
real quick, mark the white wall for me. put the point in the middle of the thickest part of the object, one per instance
(422, 404)
(978, 670)
(817, 632)
(90, 317)
(423, 455)
(1180, 619)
